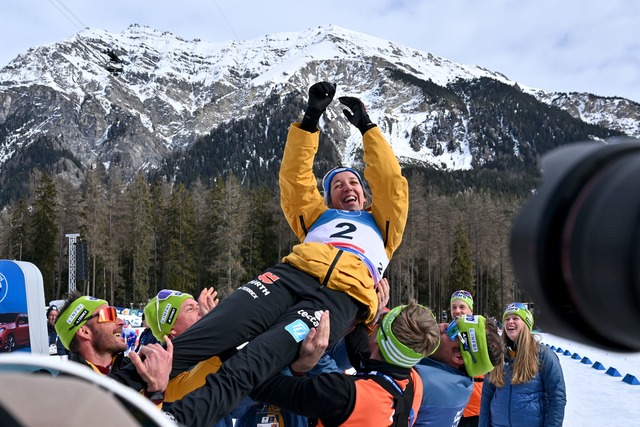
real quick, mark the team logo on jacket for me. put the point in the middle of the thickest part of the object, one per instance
(315, 319)
(298, 330)
(268, 277)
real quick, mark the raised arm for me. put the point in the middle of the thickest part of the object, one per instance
(300, 199)
(389, 189)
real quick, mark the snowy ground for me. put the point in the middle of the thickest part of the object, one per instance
(595, 399)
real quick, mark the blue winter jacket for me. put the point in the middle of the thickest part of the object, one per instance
(446, 393)
(537, 403)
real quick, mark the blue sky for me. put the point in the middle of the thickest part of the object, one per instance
(570, 45)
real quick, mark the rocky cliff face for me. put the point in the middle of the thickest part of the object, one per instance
(613, 113)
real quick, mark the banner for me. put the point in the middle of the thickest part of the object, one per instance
(23, 322)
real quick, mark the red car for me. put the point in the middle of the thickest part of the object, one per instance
(14, 331)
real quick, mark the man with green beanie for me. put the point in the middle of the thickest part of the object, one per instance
(461, 303)
(165, 310)
(470, 346)
(169, 314)
(92, 332)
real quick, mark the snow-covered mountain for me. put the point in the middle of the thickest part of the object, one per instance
(132, 99)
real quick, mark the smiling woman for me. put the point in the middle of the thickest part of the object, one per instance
(344, 189)
(531, 373)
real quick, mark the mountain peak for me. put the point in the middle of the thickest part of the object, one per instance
(135, 97)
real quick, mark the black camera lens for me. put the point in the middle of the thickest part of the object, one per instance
(575, 245)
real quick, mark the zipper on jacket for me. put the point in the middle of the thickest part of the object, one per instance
(331, 267)
(386, 233)
(304, 227)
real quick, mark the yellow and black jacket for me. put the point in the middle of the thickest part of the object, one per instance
(303, 204)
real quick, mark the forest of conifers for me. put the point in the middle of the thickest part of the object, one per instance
(145, 237)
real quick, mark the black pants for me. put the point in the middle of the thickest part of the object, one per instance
(469, 421)
(272, 312)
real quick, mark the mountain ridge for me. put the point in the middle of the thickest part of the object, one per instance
(134, 99)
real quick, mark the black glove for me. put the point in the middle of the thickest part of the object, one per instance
(320, 96)
(358, 115)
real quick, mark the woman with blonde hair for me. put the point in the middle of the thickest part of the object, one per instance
(528, 389)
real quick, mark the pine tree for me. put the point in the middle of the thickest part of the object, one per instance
(141, 238)
(260, 248)
(69, 220)
(113, 282)
(94, 226)
(44, 232)
(200, 195)
(180, 260)
(229, 216)
(461, 275)
(160, 193)
(5, 233)
(19, 227)
(403, 271)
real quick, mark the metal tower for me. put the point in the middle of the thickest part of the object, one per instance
(72, 260)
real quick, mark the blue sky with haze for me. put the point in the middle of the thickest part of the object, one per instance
(570, 45)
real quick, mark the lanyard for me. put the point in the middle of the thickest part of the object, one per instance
(389, 379)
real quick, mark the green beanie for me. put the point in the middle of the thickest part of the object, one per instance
(463, 296)
(70, 320)
(162, 311)
(520, 310)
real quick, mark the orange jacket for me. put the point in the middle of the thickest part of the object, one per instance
(473, 407)
(374, 405)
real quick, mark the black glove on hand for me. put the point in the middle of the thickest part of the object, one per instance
(320, 96)
(358, 115)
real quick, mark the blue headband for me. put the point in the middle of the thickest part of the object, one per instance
(326, 181)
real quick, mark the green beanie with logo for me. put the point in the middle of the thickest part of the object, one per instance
(71, 318)
(162, 311)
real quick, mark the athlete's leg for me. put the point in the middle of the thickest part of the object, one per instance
(264, 356)
(247, 312)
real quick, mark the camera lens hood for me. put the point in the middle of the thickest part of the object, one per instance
(575, 245)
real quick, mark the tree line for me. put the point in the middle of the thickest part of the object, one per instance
(145, 236)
